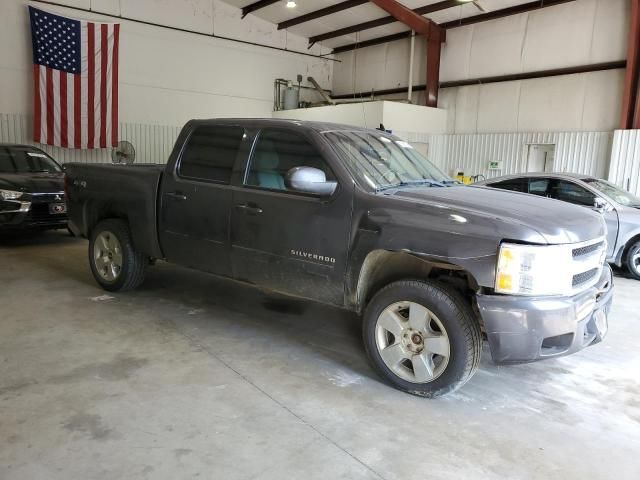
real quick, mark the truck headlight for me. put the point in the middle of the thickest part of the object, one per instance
(534, 269)
(10, 194)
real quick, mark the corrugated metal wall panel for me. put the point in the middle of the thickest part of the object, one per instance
(153, 143)
(625, 160)
(580, 152)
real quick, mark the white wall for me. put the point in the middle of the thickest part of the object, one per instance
(572, 34)
(168, 77)
(403, 119)
(580, 152)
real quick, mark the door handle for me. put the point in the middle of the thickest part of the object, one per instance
(249, 208)
(176, 195)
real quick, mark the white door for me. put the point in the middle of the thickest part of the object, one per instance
(540, 157)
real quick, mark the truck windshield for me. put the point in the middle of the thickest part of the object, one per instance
(382, 161)
(614, 192)
(26, 160)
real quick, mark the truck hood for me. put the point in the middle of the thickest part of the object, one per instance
(556, 222)
(32, 182)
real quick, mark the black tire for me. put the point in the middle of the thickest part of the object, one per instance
(131, 273)
(630, 262)
(463, 331)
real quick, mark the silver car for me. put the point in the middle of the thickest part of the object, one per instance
(620, 208)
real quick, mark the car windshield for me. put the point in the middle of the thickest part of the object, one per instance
(382, 161)
(26, 160)
(614, 192)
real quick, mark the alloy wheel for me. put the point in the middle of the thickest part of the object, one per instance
(107, 256)
(412, 342)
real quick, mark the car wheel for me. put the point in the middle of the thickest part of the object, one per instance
(115, 264)
(632, 261)
(422, 338)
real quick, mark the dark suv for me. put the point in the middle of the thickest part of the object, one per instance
(31, 189)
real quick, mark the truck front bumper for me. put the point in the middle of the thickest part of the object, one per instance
(526, 329)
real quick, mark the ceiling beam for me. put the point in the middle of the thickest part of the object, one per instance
(527, 7)
(434, 7)
(323, 12)
(599, 67)
(415, 22)
(257, 6)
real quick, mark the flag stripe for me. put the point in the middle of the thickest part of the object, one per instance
(37, 110)
(77, 111)
(50, 107)
(104, 52)
(84, 88)
(91, 62)
(43, 103)
(64, 139)
(114, 86)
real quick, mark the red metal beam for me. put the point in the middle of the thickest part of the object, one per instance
(630, 100)
(415, 22)
(527, 7)
(434, 47)
(434, 7)
(434, 36)
(323, 12)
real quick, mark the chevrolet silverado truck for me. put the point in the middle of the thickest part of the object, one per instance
(356, 218)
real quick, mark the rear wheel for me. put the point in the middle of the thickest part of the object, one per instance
(115, 264)
(632, 262)
(422, 338)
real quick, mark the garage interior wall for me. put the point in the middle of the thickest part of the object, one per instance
(166, 77)
(486, 122)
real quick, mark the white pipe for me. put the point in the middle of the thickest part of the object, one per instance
(410, 89)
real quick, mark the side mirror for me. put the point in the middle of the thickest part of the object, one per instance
(309, 180)
(600, 205)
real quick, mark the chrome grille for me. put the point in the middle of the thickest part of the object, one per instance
(579, 252)
(583, 277)
(588, 261)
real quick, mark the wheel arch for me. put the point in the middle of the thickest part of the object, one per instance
(627, 246)
(381, 267)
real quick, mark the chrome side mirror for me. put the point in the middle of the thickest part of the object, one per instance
(309, 180)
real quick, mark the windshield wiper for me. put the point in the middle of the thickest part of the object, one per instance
(412, 183)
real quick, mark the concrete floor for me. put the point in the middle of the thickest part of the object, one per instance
(196, 377)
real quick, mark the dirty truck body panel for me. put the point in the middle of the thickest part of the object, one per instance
(329, 248)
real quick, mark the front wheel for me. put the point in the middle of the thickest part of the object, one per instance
(115, 264)
(422, 338)
(632, 261)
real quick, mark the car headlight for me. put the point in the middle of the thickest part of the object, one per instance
(10, 194)
(534, 269)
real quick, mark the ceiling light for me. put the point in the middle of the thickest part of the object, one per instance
(291, 4)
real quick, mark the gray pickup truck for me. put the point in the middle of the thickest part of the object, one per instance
(358, 219)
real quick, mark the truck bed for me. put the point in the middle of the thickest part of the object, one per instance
(124, 191)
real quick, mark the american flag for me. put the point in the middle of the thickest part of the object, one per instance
(75, 81)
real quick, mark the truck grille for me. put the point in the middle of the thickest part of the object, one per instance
(579, 252)
(588, 261)
(583, 277)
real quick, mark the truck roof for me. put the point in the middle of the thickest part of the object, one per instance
(277, 122)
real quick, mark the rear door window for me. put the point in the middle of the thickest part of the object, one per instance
(539, 186)
(513, 184)
(211, 152)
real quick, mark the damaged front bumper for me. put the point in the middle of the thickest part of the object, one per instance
(526, 329)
